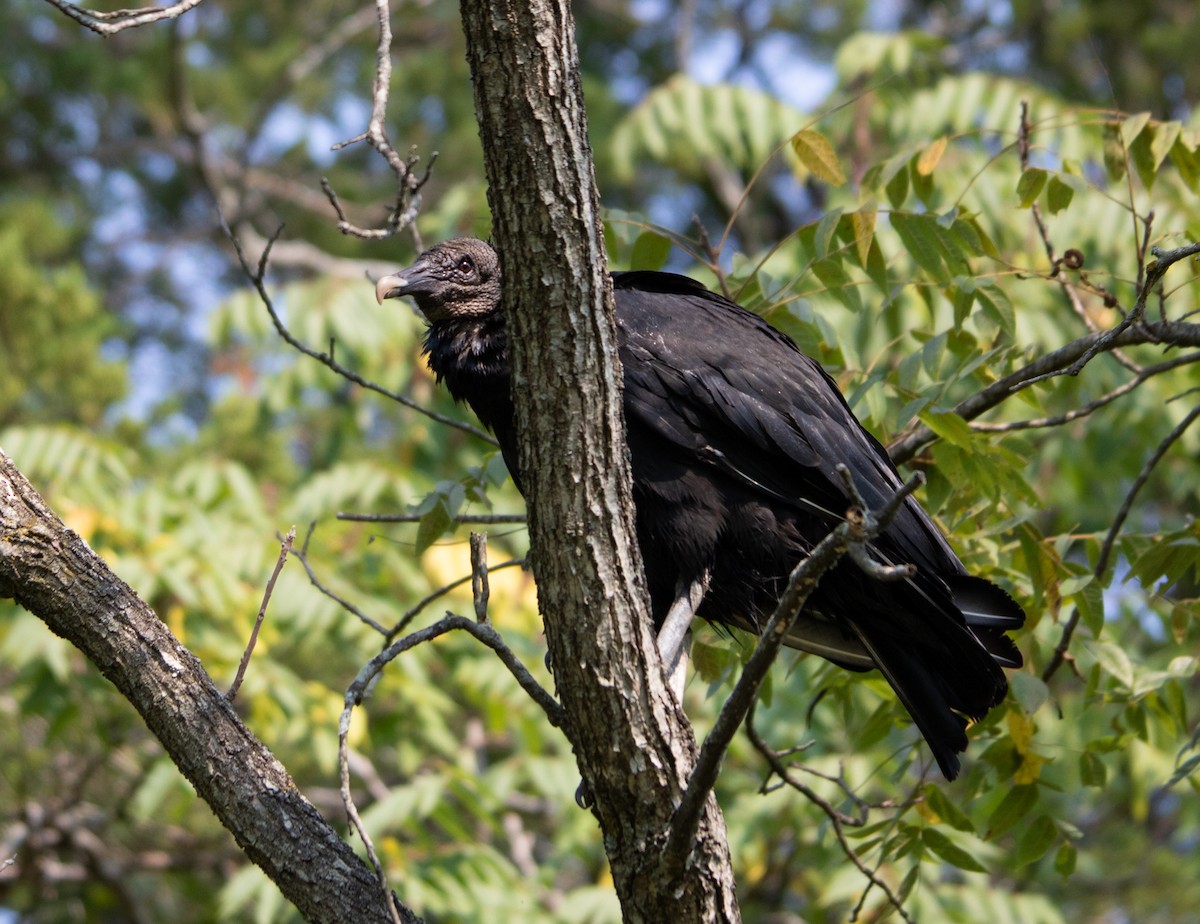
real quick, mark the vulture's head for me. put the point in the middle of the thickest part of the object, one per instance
(459, 278)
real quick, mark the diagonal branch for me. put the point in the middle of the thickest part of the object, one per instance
(1169, 333)
(859, 528)
(52, 572)
(1064, 642)
(1145, 373)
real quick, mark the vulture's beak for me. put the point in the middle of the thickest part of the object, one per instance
(390, 287)
(412, 281)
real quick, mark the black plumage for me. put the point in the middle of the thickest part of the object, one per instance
(734, 436)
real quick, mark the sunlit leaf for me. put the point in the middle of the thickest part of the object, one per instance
(818, 155)
(931, 156)
(949, 851)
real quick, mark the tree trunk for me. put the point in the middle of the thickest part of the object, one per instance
(49, 570)
(635, 748)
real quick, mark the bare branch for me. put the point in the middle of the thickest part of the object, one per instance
(1171, 333)
(1064, 642)
(357, 691)
(479, 576)
(1144, 374)
(55, 575)
(115, 21)
(413, 611)
(482, 519)
(404, 211)
(352, 812)
(484, 633)
(1154, 273)
(302, 556)
(285, 546)
(1155, 457)
(838, 820)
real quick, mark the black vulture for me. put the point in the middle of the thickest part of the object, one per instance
(734, 438)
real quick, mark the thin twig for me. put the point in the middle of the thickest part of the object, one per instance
(482, 632)
(1174, 333)
(1072, 259)
(481, 519)
(284, 548)
(837, 819)
(357, 690)
(352, 811)
(302, 557)
(412, 612)
(114, 21)
(1145, 373)
(1164, 260)
(408, 186)
(479, 576)
(1114, 530)
(1155, 457)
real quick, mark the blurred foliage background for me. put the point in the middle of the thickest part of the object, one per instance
(144, 391)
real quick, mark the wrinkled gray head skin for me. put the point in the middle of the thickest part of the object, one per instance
(459, 278)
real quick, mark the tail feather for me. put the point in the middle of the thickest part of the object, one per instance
(990, 612)
(944, 688)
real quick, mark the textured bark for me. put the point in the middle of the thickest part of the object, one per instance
(634, 747)
(49, 570)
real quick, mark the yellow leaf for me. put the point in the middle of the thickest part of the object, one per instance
(929, 158)
(1020, 728)
(1030, 769)
(862, 223)
(818, 155)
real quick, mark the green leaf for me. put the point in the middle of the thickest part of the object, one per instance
(711, 662)
(1113, 659)
(650, 251)
(1092, 771)
(897, 187)
(947, 810)
(1030, 691)
(1030, 186)
(1058, 195)
(1036, 840)
(949, 426)
(1143, 158)
(434, 524)
(1012, 808)
(1187, 163)
(996, 306)
(1091, 607)
(1064, 859)
(862, 224)
(921, 238)
(1165, 136)
(818, 155)
(1132, 127)
(825, 230)
(949, 851)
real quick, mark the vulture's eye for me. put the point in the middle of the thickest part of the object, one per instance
(466, 265)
